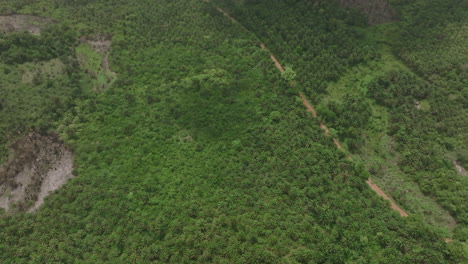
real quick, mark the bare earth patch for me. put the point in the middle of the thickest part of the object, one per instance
(23, 23)
(38, 165)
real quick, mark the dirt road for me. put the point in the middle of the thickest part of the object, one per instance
(311, 109)
(273, 58)
(227, 15)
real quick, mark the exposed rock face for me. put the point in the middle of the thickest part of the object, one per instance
(38, 164)
(377, 11)
(23, 23)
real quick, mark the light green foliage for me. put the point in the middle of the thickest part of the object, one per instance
(90, 59)
(288, 74)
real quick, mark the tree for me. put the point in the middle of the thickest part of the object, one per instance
(289, 74)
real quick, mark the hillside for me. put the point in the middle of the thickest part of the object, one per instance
(214, 132)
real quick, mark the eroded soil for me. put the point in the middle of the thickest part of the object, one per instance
(38, 164)
(100, 43)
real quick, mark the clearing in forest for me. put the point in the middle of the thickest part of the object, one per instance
(93, 55)
(31, 72)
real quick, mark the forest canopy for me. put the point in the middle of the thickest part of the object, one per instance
(196, 149)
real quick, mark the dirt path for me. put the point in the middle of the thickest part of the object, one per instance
(105, 64)
(382, 194)
(311, 110)
(307, 104)
(273, 58)
(227, 15)
(325, 129)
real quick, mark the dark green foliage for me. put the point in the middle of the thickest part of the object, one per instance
(349, 118)
(399, 89)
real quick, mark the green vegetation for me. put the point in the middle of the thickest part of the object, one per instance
(91, 61)
(199, 153)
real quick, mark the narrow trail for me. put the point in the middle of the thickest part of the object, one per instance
(278, 65)
(228, 16)
(105, 63)
(325, 129)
